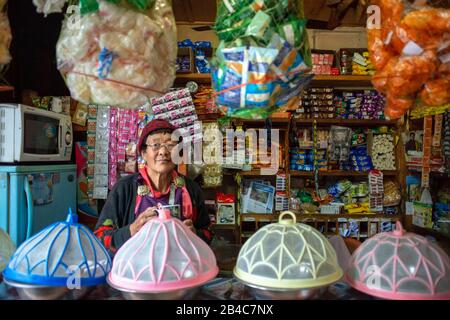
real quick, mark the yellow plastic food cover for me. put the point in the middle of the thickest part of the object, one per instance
(288, 255)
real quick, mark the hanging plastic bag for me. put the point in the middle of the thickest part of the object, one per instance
(262, 58)
(5, 35)
(49, 6)
(411, 52)
(119, 52)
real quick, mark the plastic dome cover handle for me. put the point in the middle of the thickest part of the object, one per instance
(287, 255)
(59, 253)
(164, 255)
(400, 265)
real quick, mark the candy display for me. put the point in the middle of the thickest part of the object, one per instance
(62, 257)
(178, 108)
(409, 52)
(323, 63)
(316, 103)
(376, 190)
(5, 36)
(271, 274)
(118, 53)
(171, 265)
(392, 195)
(362, 105)
(400, 265)
(382, 152)
(262, 58)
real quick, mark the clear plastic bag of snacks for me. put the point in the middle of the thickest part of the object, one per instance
(5, 35)
(261, 61)
(118, 52)
(392, 195)
(411, 52)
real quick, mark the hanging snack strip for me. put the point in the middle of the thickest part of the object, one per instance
(112, 155)
(376, 190)
(263, 55)
(212, 176)
(118, 52)
(178, 108)
(91, 129)
(446, 142)
(427, 132)
(101, 154)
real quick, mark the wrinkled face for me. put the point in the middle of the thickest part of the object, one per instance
(157, 153)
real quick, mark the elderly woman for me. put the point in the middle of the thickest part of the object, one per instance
(134, 199)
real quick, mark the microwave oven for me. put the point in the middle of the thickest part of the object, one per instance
(29, 134)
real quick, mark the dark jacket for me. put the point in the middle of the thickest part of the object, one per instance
(113, 226)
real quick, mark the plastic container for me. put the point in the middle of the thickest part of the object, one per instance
(287, 260)
(402, 266)
(64, 256)
(164, 260)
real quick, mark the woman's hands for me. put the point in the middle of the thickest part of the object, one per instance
(142, 219)
(149, 214)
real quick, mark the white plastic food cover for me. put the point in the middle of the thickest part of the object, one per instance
(60, 253)
(165, 255)
(288, 255)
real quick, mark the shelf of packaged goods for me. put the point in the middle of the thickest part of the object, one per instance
(339, 173)
(347, 122)
(430, 232)
(328, 217)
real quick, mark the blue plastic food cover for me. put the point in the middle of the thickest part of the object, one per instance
(62, 252)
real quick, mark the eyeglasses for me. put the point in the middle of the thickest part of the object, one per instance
(158, 146)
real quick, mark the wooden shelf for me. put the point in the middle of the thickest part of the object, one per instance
(339, 173)
(320, 77)
(333, 217)
(197, 77)
(253, 173)
(431, 232)
(6, 88)
(349, 123)
(342, 79)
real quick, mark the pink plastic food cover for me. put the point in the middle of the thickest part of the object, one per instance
(164, 255)
(400, 265)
